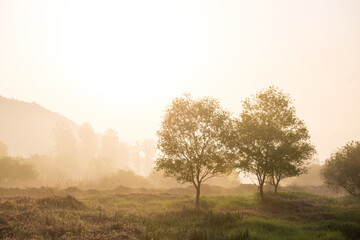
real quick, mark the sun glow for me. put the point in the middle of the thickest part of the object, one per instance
(113, 52)
(116, 63)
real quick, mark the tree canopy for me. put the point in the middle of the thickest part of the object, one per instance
(192, 141)
(88, 145)
(271, 142)
(342, 170)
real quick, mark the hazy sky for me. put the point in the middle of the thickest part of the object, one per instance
(117, 64)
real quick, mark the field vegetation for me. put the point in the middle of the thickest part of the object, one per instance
(72, 213)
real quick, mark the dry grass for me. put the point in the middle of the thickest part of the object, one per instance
(60, 217)
(116, 215)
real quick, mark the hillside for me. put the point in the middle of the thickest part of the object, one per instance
(27, 128)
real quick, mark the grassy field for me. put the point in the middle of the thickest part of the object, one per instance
(105, 215)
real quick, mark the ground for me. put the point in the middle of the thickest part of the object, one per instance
(108, 215)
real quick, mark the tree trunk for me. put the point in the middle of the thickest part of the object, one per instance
(261, 188)
(276, 187)
(198, 197)
(276, 183)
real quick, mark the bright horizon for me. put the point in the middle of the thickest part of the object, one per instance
(118, 64)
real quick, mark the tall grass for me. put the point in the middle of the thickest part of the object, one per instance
(108, 215)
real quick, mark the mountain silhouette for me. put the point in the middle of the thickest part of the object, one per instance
(28, 128)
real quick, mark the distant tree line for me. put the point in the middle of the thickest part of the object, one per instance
(78, 156)
(44, 170)
(91, 155)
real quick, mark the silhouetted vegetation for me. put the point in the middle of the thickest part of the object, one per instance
(192, 141)
(122, 177)
(271, 142)
(342, 169)
(13, 170)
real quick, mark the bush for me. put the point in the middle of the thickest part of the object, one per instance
(342, 170)
(125, 178)
(15, 170)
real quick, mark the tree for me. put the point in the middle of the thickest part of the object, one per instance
(342, 170)
(66, 149)
(124, 155)
(148, 147)
(271, 142)
(192, 141)
(289, 157)
(110, 146)
(143, 156)
(48, 169)
(100, 166)
(88, 145)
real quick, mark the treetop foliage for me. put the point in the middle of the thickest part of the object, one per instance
(342, 170)
(191, 139)
(271, 141)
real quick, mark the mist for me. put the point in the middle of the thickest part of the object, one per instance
(184, 120)
(54, 151)
(46, 149)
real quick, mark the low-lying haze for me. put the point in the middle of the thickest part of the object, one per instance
(118, 64)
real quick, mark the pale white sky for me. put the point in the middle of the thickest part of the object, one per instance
(117, 64)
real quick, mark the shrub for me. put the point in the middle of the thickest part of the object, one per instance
(342, 169)
(15, 170)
